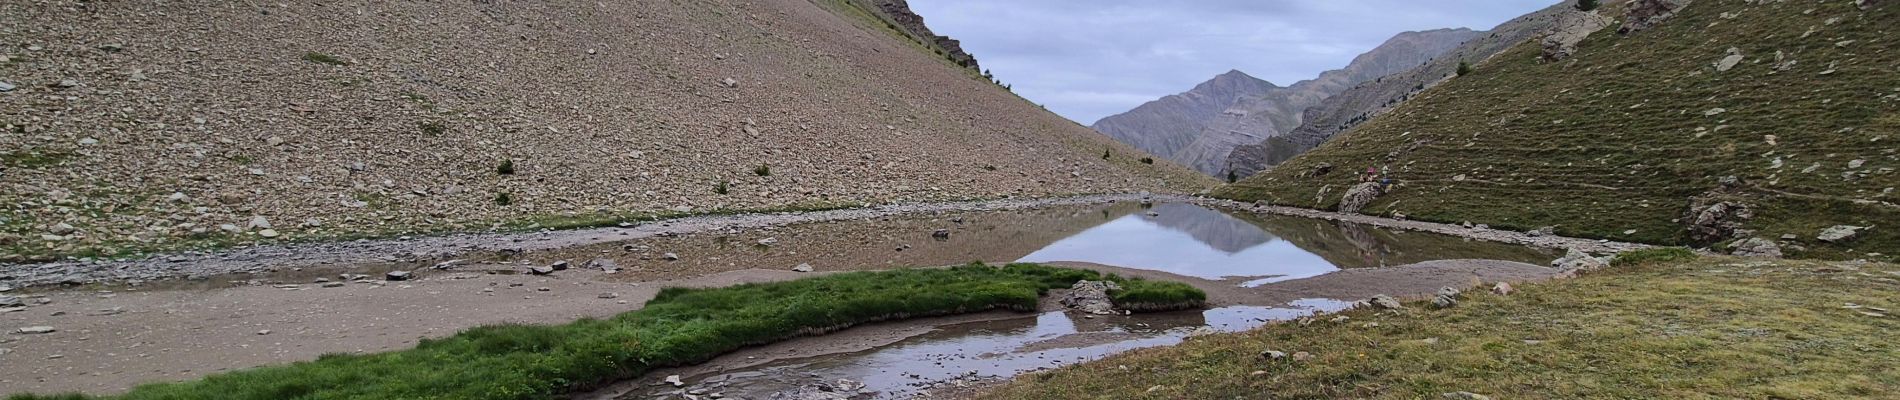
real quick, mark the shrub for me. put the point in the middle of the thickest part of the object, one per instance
(1147, 160)
(507, 167)
(1152, 296)
(321, 58)
(1232, 177)
(1105, 154)
(504, 199)
(1464, 68)
(1588, 5)
(720, 187)
(434, 128)
(762, 170)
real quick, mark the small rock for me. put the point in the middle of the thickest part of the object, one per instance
(1443, 301)
(1544, 231)
(396, 276)
(1465, 396)
(1385, 302)
(178, 197)
(1839, 233)
(6, 87)
(670, 257)
(802, 268)
(1302, 356)
(1272, 354)
(941, 234)
(540, 270)
(1756, 247)
(543, 289)
(768, 241)
(604, 265)
(333, 284)
(1449, 291)
(268, 233)
(263, 332)
(558, 265)
(11, 301)
(35, 330)
(729, 83)
(1502, 289)
(62, 229)
(259, 222)
(674, 380)
(610, 295)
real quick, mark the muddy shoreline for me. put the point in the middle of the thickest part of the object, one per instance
(422, 252)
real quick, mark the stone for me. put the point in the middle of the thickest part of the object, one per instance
(263, 332)
(670, 257)
(397, 276)
(1091, 297)
(609, 295)
(1839, 233)
(1443, 301)
(11, 301)
(1385, 302)
(1465, 396)
(1645, 14)
(62, 229)
(1543, 231)
(268, 233)
(604, 265)
(259, 222)
(1302, 356)
(1449, 291)
(1576, 260)
(66, 83)
(674, 380)
(333, 284)
(768, 241)
(940, 234)
(1729, 61)
(1719, 221)
(6, 87)
(36, 330)
(178, 197)
(1272, 354)
(540, 270)
(802, 268)
(1502, 289)
(729, 83)
(1755, 247)
(1359, 196)
(558, 265)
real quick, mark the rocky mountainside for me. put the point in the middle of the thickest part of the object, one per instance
(133, 126)
(1370, 98)
(1164, 126)
(1200, 127)
(1763, 128)
(1254, 119)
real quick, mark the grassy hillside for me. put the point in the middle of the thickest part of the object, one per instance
(1615, 142)
(1710, 328)
(138, 126)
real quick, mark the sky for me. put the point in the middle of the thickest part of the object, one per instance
(1088, 59)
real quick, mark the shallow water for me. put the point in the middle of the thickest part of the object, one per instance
(1243, 250)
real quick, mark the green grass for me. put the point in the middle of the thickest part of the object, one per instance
(680, 326)
(1615, 139)
(1139, 295)
(1653, 256)
(33, 159)
(1714, 327)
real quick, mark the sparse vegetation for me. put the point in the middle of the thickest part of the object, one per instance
(762, 170)
(433, 128)
(1602, 149)
(1709, 328)
(30, 159)
(507, 167)
(1653, 256)
(1464, 68)
(720, 187)
(1106, 153)
(504, 199)
(1588, 5)
(680, 326)
(321, 58)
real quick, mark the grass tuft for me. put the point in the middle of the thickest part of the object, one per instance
(321, 58)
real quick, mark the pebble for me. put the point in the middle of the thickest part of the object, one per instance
(802, 268)
(670, 257)
(397, 276)
(35, 330)
(263, 332)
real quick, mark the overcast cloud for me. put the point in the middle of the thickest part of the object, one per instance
(1088, 59)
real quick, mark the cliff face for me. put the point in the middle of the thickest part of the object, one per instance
(899, 13)
(1167, 125)
(1356, 104)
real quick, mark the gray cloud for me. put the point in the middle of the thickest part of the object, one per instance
(1089, 59)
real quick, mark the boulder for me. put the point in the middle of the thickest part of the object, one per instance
(1359, 196)
(1729, 60)
(1577, 261)
(1839, 233)
(1443, 301)
(1570, 28)
(1756, 247)
(1502, 289)
(558, 265)
(1091, 297)
(1385, 302)
(1645, 14)
(1718, 221)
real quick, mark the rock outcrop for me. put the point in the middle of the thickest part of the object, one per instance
(899, 13)
(1091, 297)
(1359, 196)
(1717, 222)
(1645, 14)
(1756, 247)
(1575, 261)
(1569, 29)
